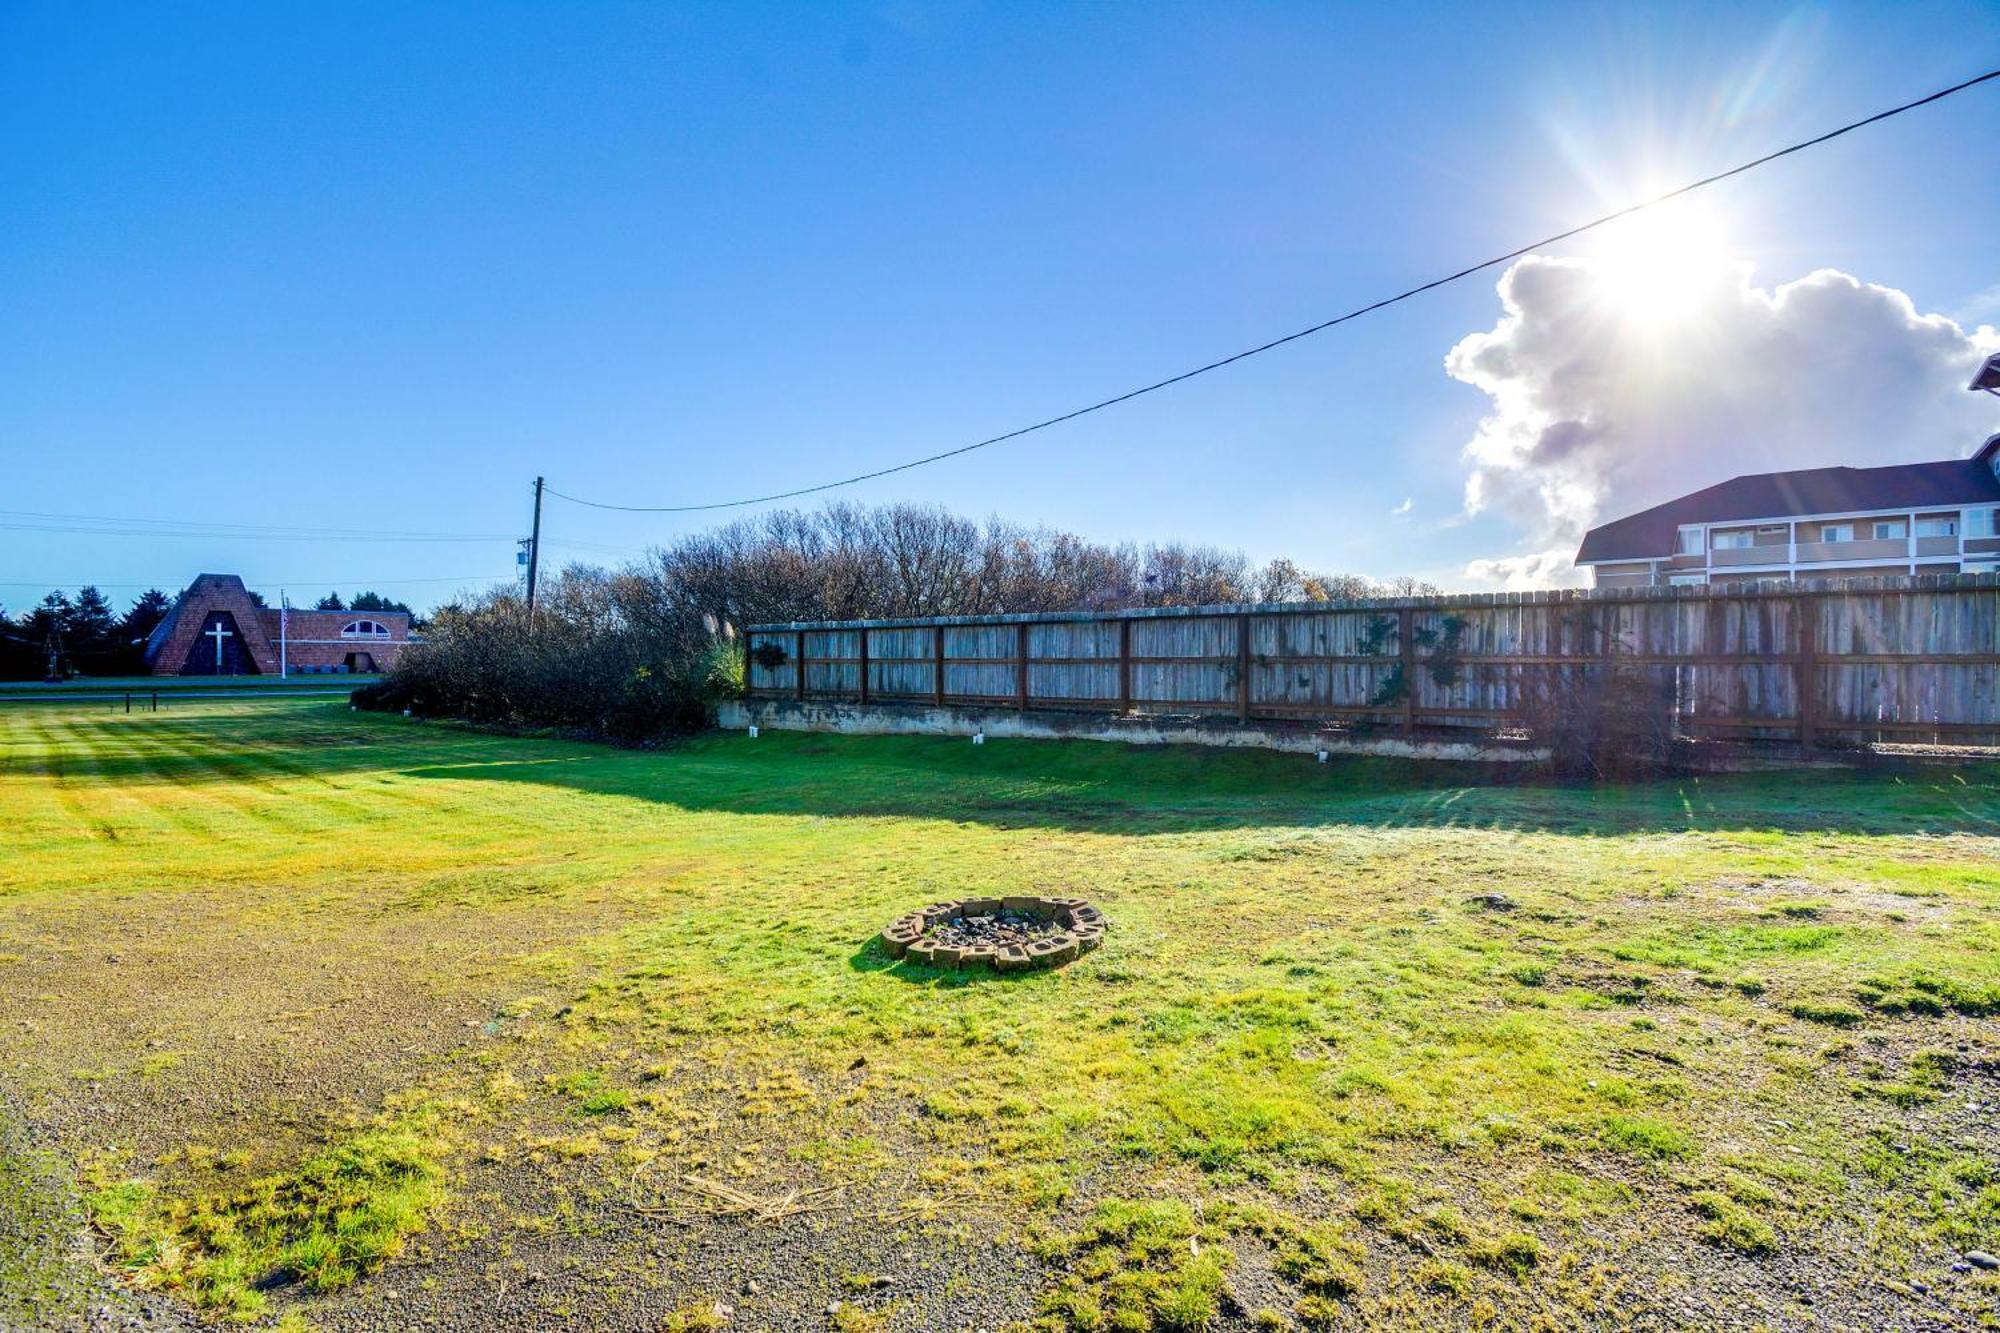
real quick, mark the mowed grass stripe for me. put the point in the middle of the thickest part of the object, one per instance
(238, 778)
(98, 755)
(40, 803)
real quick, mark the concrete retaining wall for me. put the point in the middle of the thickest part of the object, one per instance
(921, 720)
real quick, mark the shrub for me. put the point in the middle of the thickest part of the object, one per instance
(616, 656)
(1600, 723)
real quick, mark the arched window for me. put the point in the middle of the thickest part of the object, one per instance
(365, 629)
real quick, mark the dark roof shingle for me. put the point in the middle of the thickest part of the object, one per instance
(1822, 490)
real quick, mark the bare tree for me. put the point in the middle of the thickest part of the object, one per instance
(648, 648)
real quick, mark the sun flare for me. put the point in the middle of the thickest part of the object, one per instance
(1655, 268)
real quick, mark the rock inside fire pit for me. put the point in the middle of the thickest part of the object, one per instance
(1006, 934)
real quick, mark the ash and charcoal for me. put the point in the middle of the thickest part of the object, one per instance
(1000, 928)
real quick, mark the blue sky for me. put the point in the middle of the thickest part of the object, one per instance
(374, 267)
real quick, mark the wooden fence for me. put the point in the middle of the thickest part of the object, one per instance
(1910, 658)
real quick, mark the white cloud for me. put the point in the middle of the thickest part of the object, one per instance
(1409, 502)
(1979, 307)
(1518, 573)
(1598, 411)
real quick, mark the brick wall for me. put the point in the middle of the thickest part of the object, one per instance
(316, 640)
(208, 594)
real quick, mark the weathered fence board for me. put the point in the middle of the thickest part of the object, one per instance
(1905, 658)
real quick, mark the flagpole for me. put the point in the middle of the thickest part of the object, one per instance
(284, 628)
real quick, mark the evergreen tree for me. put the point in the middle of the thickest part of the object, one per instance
(47, 628)
(92, 622)
(20, 656)
(330, 602)
(146, 614)
(51, 616)
(93, 634)
(375, 601)
(137, 626)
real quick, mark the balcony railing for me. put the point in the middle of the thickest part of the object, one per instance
(1891, 548)
(1776, 553)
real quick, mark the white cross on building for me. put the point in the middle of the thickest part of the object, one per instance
(218, 633)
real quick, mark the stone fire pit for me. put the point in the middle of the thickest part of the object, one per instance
(1006, 934)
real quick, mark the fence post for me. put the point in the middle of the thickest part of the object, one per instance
(128, 701)
(1819, 636)
(1124, 666)
(156, 701)
(862, 634)
(1021, 668)
(1406, 648)
(1808, 621)
(1243, 668)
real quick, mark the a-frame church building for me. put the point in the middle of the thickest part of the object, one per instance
(215, 629)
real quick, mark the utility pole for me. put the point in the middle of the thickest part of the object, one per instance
(535, 547)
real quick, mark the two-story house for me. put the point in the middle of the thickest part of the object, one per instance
(1817, 523)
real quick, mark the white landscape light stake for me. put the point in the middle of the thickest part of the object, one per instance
(979, 738)
(753, 731)
(1324, 756)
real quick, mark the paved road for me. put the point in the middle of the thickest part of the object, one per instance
(143, 698)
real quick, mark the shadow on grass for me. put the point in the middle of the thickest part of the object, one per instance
(1076, 786)
(1086, 787)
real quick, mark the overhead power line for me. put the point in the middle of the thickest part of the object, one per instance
(21, 520)
(1320, 327)
(103, 531)
(364, 585)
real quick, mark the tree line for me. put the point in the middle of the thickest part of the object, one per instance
(849, 561)
(84, 635)
(648, 648)
(63, 635)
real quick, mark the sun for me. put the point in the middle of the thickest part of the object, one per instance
(1657, 268)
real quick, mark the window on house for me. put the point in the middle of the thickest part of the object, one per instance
(364, 629)
(1982, 522)
(1686, 579)
(1836, 532)
(1937, 527)
(1734, 541)
(1690, 542)
(1891, 530)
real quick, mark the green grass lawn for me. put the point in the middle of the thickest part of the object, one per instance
(326, 1010)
